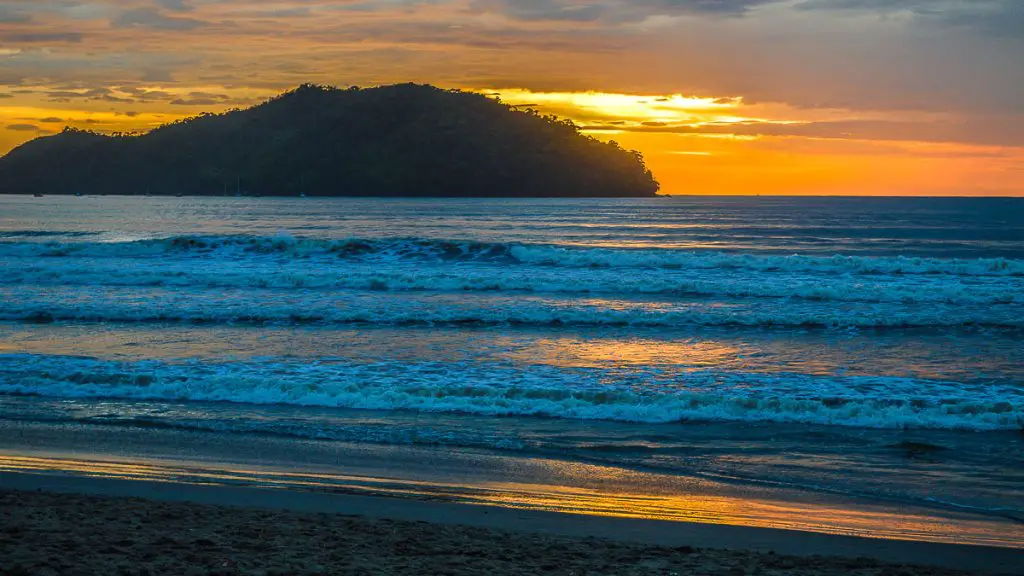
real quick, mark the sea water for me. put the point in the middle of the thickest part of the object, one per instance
(866, 347)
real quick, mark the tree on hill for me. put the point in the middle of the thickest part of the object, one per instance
(401, 140)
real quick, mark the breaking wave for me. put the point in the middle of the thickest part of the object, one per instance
(492, 278)
(588, 394)
(509, 253)
(226, 306)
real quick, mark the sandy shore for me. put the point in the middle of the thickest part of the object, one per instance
(44, 532)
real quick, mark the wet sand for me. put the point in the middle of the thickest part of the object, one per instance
(92, 526)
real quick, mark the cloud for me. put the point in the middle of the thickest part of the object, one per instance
(23, 128)
(51, 120)
(154, 19)
(12, 15)
(209, 95)
(987, 131)
(40, 37)
(99, 94)
(1003, 18)
(857, 55)
(202, 99)
(613, 11)
(174, 5)
(195, 102)
(700, 7)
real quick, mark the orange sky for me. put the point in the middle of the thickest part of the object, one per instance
(722, 96)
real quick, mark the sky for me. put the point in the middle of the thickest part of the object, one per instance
(817, 97)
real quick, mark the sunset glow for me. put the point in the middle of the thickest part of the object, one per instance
(725, 101)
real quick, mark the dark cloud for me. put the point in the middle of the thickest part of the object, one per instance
(196, 102)
(989, 131)
(297, 12)
(39, 37)
(12, 15)
(876, 55)
(97, 94)
(144, 95)
(875, 5)
(174, 5)
(618, 11)
(23, 127)
(154, 19)
(202, 99)
(1003, 18)
(2, 95)
(544, 10)
(674, 7)
(51, 120)
(62, 95)
(209, 95)
(110, 98)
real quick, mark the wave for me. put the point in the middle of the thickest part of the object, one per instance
(504, 390)
(111, 304)
(408, 277)
(509, 253)
(45, 234)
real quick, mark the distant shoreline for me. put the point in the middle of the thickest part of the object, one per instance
(406, 139)
(660, 196)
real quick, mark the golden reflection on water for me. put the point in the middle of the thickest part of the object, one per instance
(602, 353)
(790, 351)
(698, 506)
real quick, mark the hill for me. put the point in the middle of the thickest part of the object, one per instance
(402, 140)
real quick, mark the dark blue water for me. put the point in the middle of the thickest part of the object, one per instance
(870, 347)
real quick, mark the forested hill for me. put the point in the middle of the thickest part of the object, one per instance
(402, 140)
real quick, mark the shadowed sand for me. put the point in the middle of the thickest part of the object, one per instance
(65, 525)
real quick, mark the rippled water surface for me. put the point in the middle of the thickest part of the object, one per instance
(869, 347)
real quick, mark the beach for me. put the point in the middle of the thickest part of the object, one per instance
(500, 287)
(832, 377)
(67, 530)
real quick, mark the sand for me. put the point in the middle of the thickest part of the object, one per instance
(60, 533)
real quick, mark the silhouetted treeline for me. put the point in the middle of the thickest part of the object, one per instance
(403, 140)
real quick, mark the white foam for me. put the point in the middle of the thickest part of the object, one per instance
(455, 250)
(640, 395)
(404, 276)
(132, 304)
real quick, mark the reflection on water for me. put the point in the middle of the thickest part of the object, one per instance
(600, 353)
(979, 355)
(698, 506)
(784, 225)
(595, 353)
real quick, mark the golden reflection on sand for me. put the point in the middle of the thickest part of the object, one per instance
(699, 506)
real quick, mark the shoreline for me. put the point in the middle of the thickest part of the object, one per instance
(719, 546)
(475, 476)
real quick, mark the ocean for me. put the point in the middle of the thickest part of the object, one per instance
(740, 360)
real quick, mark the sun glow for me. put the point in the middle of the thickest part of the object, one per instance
(707, 144)
(639, 108)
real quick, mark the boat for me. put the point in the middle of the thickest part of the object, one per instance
(37, 195)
